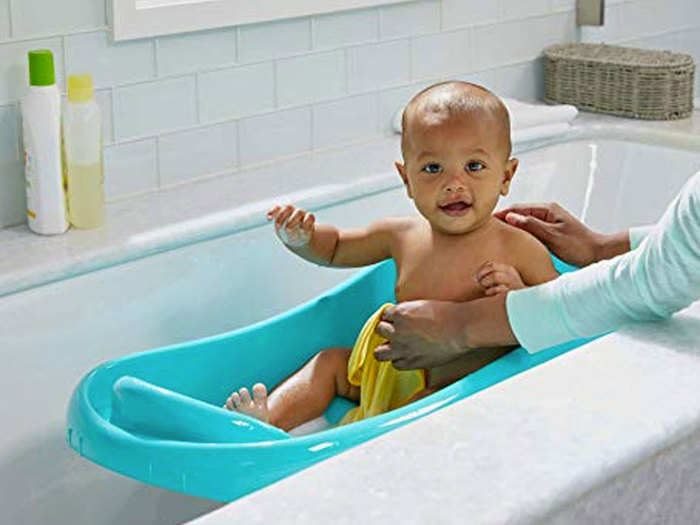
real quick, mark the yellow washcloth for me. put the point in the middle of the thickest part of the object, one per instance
(382, 387)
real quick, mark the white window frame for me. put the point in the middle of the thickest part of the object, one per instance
(132, 19)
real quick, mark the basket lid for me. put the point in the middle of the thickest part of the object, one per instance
(608, 54)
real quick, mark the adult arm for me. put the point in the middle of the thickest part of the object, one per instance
(651, 282)
(565, 236)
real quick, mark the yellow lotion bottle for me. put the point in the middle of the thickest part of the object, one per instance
(82, 135)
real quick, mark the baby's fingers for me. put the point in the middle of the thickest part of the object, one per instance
(272, 212)
(490, 267)
(283, 215)
(495, 290)
(308, 223)
(494, 278)
(295, 219)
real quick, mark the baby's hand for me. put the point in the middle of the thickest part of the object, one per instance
(497, 278)
(293, 226)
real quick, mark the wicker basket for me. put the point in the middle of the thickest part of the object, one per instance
(638, 83)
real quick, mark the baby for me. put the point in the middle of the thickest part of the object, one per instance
(456, 150)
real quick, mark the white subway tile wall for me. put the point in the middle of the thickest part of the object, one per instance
(4, 19)
(345, 28)
(275, 135)
(375, 66)
(411, 19)
(189, 154)
(308, 78)
(131, 167)
(195, 51)
(183, 107)
(163, 105)
(236, 92)
(32, 18)
(110, 64)
(274, 39)
(345, 120)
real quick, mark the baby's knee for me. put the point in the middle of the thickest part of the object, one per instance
(333, 359)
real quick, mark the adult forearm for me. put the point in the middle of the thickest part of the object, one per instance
(485, 323)
(611, 245)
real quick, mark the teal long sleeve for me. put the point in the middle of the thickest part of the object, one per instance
(659, 277)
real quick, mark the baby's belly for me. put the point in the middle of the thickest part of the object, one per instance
(446, 374)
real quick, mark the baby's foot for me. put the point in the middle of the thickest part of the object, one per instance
(256, 407)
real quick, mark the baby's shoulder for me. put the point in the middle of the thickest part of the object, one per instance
(519, 240)
(527, 254)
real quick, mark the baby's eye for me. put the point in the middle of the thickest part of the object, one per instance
(432, 168)
(475, 166)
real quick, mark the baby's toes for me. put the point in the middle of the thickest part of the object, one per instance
(233, 401)
(259, 394)
(245, 397)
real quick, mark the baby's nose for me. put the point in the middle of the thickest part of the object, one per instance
(456, 185)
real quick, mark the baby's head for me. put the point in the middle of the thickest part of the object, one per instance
(456, 151)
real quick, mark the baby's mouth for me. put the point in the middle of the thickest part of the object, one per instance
(456, 208)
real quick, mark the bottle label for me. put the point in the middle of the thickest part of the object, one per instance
(28, 180)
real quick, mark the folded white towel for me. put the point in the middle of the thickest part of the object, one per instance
(527, 121)
(523, 115)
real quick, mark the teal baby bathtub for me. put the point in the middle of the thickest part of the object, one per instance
(156, 416)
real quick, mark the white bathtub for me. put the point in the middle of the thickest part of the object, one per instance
(52, 334)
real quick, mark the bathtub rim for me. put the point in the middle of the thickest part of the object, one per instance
(238, 219)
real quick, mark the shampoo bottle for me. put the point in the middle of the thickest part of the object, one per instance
(82, 127)
(41, 127)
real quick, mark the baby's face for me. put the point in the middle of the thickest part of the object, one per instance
(455, 170)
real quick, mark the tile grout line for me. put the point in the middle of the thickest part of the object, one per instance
(237, 42)
(346, 68)
(198, 115)
(65, 62)
(20, 132)
(155, 48)
(238, 143)
(312, 141)
(275, 89)
(158, 174)
(11, 26)
(113, 93)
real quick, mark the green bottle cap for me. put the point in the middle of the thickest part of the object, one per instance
(41, 72)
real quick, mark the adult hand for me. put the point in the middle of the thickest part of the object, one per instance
(422, 334)
(426, 334)
(565, 236)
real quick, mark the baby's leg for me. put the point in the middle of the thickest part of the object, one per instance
(304, 395)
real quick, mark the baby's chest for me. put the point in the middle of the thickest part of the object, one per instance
(432, 276)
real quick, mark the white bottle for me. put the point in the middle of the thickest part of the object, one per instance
(41, 126)
(82, 130)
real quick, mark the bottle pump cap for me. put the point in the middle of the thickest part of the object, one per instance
(79, 88)
(41, 72)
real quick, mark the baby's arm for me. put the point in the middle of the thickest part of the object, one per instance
(330, 246)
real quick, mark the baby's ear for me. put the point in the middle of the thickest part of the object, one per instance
(401, 168)
(508, 174)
